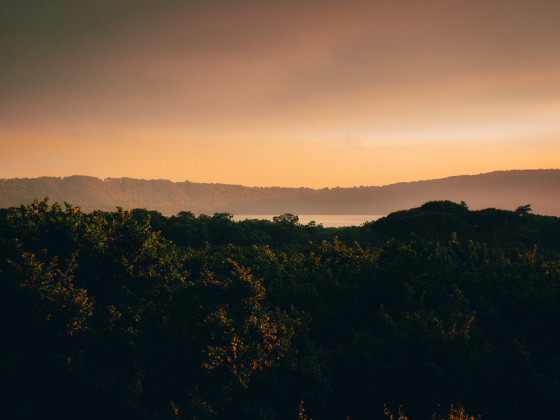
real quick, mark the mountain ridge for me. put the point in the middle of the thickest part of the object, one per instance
(500, 189)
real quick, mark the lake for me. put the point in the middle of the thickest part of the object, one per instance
(327, 220)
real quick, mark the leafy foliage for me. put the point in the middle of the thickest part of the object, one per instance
(136, 315)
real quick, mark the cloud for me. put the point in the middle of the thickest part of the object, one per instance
(356, 142)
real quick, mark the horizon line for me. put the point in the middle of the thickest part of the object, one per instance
(111, 178)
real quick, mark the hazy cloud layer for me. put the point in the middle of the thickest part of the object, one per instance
(150, 82)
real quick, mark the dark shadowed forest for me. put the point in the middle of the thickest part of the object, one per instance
(435, 311)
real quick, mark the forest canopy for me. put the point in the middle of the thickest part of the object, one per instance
(132, 314)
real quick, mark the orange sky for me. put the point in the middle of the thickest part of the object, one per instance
(289, 93)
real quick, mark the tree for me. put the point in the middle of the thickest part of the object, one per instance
(521, 210)
(286, 219)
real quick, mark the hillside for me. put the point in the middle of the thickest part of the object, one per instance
(502, 189)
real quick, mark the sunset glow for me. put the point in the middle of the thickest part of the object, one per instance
(316, 94)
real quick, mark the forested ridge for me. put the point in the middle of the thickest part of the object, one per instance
(500, 189)
(438, 310)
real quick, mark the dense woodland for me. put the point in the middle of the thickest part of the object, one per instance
(502, 189)
(131, 314)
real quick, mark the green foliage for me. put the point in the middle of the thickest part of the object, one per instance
(93, 304)
(105, 315)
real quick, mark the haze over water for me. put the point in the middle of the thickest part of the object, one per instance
(327, 220)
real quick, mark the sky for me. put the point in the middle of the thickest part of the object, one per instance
(278, 93)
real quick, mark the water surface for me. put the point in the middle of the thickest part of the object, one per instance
(327, 220)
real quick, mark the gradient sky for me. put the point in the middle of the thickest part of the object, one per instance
(288, 93)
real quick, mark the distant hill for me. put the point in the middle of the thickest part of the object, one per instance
(502, 189)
